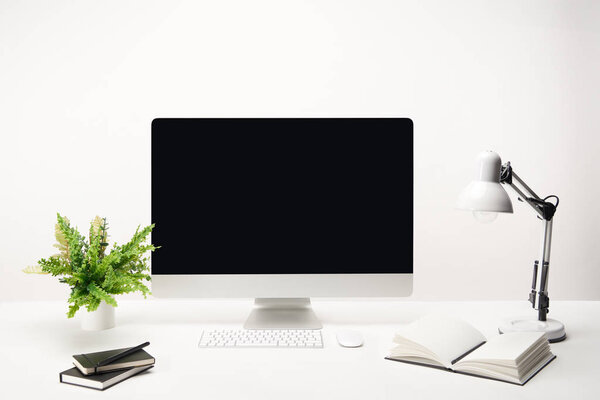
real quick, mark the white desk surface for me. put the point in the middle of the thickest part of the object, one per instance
(37, 341)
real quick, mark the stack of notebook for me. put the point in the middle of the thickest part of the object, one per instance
(104, 369)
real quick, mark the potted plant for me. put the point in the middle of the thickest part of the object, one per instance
(95, 274)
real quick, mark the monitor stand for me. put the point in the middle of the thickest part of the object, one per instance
(282, 314)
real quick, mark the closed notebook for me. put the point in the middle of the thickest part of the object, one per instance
(452, 344)
(86, 363)
(99, 381)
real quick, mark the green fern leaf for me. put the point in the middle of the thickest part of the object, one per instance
(100, 294)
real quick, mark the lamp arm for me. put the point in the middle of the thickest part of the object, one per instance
(542, 207)
(538, 297)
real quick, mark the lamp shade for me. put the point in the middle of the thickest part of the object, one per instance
(485, 193)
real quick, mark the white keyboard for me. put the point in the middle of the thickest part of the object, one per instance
(305, 338)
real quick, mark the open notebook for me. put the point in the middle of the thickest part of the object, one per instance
(452, 344)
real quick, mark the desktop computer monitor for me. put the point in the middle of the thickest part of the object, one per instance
(281, 210)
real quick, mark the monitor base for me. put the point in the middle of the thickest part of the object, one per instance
(282, 314)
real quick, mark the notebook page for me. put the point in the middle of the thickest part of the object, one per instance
(449, 338)
(505, 347)
(492, 371)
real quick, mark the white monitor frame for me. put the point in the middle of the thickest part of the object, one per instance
(282, 285)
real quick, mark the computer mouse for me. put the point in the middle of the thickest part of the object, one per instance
(348, 338)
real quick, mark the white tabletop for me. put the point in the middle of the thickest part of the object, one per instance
(37, 341)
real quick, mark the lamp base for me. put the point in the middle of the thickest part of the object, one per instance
(555, 330)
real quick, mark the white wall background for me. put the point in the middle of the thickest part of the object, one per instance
(80, 82)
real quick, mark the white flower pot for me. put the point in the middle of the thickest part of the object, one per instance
(102, 318)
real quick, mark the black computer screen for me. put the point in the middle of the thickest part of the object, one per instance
(282, 196)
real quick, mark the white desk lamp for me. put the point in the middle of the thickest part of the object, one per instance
(486, 197)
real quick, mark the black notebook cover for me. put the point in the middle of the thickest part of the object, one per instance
(100, 381)
(87, 362)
